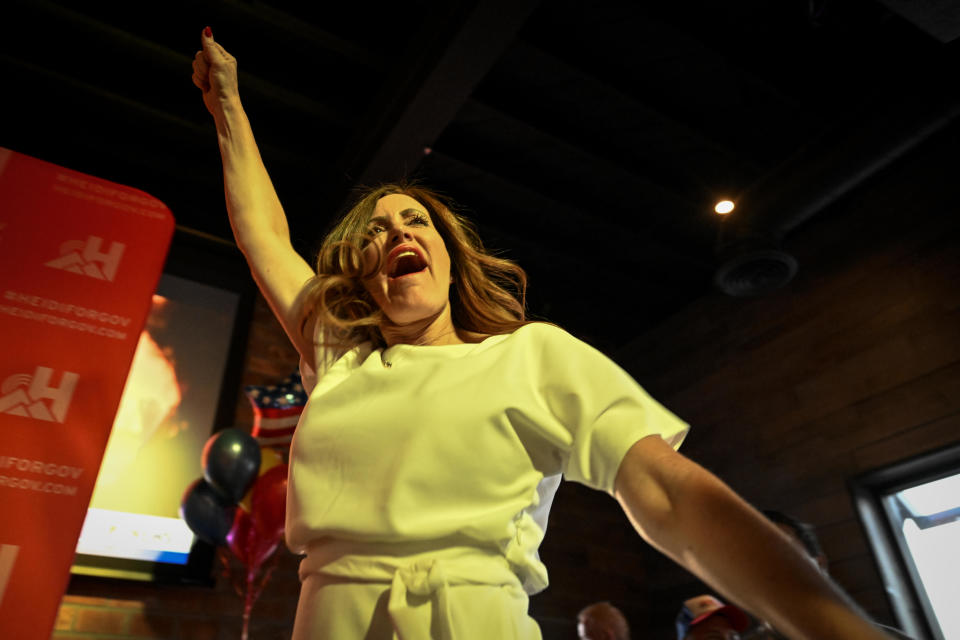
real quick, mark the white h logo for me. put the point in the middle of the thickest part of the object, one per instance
(87, 258)
(14, 400)
(8, 555)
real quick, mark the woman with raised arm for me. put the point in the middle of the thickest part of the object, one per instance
(440, 422)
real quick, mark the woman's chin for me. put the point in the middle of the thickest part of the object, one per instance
(413, 314)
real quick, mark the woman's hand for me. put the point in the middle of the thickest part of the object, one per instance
(215, 73)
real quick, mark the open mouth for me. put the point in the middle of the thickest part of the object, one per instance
(406, 263)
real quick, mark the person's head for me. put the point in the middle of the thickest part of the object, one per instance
(401, 255)
(407, 261)
(602, 621)
(708, 618)
(801, 534)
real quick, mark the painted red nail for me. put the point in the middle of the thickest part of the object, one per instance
(207, 31)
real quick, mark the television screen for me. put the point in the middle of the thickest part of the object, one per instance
(168, 410)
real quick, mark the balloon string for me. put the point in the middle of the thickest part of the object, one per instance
(248, 601)
(252, 568)
(274, 560)
(228, 573)
(254, 590)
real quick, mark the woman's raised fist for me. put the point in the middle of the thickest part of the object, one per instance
(215, 73)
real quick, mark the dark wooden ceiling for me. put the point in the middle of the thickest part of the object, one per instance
(589, 140)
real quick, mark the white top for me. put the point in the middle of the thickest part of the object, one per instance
(464, 440)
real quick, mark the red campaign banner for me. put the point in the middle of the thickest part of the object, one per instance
(80, 258)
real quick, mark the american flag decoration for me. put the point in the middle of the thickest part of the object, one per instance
(276, 410)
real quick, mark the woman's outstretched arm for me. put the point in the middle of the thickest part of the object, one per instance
(256, 215)
(687, 513)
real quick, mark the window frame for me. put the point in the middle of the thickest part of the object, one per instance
(901, 582)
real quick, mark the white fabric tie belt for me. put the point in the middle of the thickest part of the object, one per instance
(427, 579)
(416, 580)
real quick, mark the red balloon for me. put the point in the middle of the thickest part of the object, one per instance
(250, 546)
(268, 502)
(238, 536)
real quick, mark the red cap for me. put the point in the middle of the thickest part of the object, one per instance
(697, 609)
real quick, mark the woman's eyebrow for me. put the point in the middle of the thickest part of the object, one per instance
(406, 213)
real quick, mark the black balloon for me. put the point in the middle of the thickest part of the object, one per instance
(231, 462)
(206, 512)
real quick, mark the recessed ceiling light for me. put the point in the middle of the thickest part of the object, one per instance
(723, 207)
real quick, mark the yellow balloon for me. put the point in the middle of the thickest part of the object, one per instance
(269, 458)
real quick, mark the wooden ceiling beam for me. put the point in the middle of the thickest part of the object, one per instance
(509, 204)
(578, 105)
(610, 192)
(136, 49)
(429, 85)
(46, 85)
(293, 28)
(667, 67)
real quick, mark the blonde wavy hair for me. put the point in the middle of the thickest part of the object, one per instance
(487, 297)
